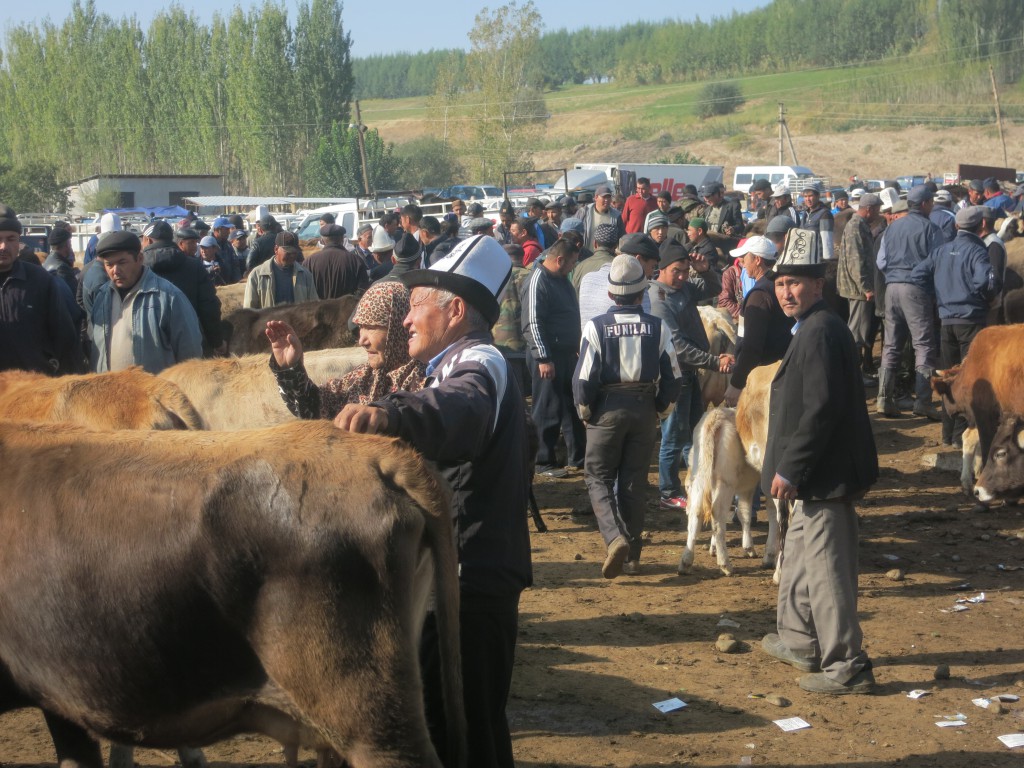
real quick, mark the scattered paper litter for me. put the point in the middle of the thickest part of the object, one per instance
(891, 558)
(792, 724)
(961, 587)
(981, 702)
(728, 623)
(979, 683)
(951, 723)
(957, 716)
(955, 609)
(979, 598)
(669, 705)
(1012, 740)
(917, 693)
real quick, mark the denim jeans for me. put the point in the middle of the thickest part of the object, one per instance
(677, 436)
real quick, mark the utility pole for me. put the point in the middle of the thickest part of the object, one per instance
(362, 149)
(999, 115)
(783, 127)
(782, 122)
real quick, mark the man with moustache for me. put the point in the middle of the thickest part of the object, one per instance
(819, 458)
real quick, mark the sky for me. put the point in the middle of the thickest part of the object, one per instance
(405, 25)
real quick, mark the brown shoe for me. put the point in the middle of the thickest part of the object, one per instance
(618, 550)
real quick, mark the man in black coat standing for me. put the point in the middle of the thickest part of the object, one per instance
(820, 457)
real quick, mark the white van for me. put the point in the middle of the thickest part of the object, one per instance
(747, 174)
(346, 214)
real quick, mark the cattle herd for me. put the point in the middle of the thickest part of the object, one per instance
(281, 570)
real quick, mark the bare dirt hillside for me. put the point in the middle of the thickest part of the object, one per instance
(866, 152)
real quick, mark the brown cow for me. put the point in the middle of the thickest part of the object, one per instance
(987, 383)
(319, 325)
(192, 586)
(128, 399)
(1003, 475)
(1013, 282)
(231, 393)
(230, 297)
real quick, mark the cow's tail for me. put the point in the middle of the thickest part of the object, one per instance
(178, 411)
(426, 489)
(702, 464)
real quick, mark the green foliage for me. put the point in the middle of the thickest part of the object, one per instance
(95, 95)
(427, 162)
(493, 107)
(32, 187)
(683, 157)
(783, 35)
(101, 198)
(719, 99)
(334, 168)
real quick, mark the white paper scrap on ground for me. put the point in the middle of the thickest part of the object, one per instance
(1012, 740)
(728, 623)
(792, 724)
(951, 723)
(669, 705)
(979, 598)
(917, 693)
(981, 702)
(891, 558)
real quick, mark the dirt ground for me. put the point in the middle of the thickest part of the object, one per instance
(594, 655)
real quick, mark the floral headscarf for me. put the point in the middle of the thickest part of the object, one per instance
(384, 304)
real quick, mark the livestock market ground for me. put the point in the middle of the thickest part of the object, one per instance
(594, 655)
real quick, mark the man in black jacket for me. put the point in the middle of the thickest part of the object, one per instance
(336, 271)
(36, 329)
(469, 419)
(189, 276)
(819, 458)
(551, 329)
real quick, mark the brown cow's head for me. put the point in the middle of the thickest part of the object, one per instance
(1003, 475)
(942, 384)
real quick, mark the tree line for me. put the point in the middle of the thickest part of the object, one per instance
(785, 35)
(249, 95)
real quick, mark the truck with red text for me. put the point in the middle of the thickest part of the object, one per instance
(621, 177)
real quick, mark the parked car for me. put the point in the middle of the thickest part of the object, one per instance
(471, 191)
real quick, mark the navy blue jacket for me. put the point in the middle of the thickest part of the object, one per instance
(906, 243)
(36, 330)
(551, 315)
(626, 346)
(945, 220)
(961, 277)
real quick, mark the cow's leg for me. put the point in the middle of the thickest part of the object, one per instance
(744, 504)
(692, 529)
(332, 656)
(721, 512)
(75, 747)
(191, 757)
(970, 460)
(121, 756)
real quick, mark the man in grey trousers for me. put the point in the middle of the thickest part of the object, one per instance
(819, 458)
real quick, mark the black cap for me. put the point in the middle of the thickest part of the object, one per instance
(186, 234)
(671, 252)
(200, 226)
(58, 236)
(639, 244)
(507, 207)
(327, 218)
(158, 230)
(268, 222)
(9, 219)
(762, 185)
(115, 242)
(332, 230)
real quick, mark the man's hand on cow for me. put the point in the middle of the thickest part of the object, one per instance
(732, 396)
(725, 363)
(698, 262)
(546, 370)
(869, 295)
(366, 419)
(783, 489)
(284, 343)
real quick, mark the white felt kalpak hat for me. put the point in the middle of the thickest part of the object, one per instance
(477, 269)
(801, 255)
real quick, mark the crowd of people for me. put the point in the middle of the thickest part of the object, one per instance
(591, 309)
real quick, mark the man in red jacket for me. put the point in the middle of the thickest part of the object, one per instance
(638, 205)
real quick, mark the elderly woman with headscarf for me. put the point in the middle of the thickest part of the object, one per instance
(388, 367)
